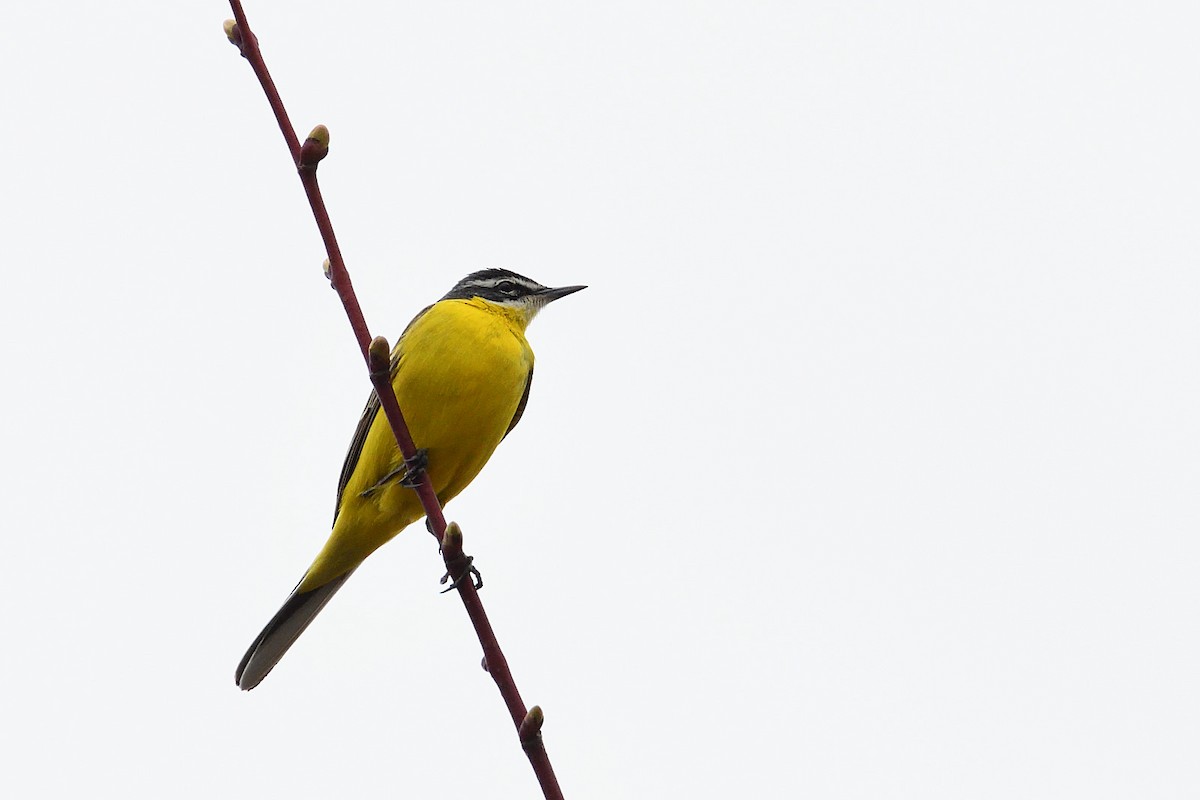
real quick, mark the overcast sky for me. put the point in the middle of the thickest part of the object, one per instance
(866, 467)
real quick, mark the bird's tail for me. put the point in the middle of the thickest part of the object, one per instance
(283, 629)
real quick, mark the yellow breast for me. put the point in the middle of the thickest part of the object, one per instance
(463, 367)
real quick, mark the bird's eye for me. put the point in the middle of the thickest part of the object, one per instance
(507, 287)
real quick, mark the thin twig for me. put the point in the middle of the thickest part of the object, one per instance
(306, 156)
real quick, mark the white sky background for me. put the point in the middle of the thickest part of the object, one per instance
(866, 467)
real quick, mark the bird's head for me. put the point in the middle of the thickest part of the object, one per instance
(505, 288)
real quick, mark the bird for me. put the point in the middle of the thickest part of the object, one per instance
(461, 371)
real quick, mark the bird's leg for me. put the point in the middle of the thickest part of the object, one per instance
(409, 473)
(415, 468)
(379, 484)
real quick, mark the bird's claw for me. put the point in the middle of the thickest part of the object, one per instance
(415, 469)
(476, 577)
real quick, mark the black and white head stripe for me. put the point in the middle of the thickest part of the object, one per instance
(497, 285)
(508, 289)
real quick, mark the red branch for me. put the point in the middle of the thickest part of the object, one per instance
(306, 156)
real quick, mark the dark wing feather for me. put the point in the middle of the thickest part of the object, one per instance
(356, 446)
(368, 417)
(521, 406)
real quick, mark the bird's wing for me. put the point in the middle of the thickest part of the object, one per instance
(521, 405)
(356, 445)
(368, 417)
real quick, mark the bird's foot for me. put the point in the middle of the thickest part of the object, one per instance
(476, 577)
(415, 469)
